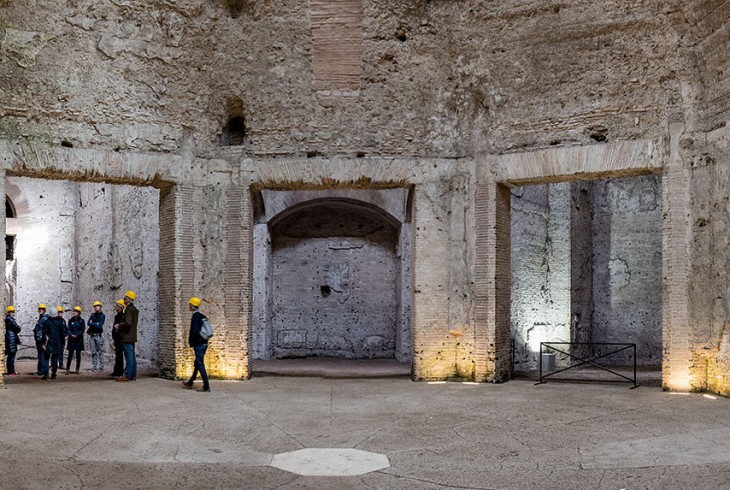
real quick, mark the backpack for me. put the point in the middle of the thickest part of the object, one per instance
(206, 330)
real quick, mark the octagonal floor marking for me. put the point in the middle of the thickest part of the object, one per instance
(330, 462)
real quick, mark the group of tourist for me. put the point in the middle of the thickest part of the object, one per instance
(52, 334)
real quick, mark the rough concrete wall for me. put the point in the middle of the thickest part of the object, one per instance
(83, 242)
(540, 270)
(627, 280)
(581, 244)
(117, 249)
(705, 150)
(433, 78)
(334, 286)
(45, 251)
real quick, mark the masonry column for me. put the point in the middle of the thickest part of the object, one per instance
(176, 275)
(238, 280)
(434, 349)
(677, 238)
(492, 280)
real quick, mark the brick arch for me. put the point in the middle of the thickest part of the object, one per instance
(18, 198)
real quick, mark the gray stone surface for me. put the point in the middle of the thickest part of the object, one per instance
(586, 267)
(447, 99)
(330, 462)
(330, 275)
(81, 242)
(154, 434)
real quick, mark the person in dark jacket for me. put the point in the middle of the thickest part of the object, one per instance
(128, 335)
(53, 327)
(59, 310)
(96, 337)
(75, 343)
(12, 339)
(199, 345)
(117, 340)
(40, 340)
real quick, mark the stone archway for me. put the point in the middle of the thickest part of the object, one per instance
(329, 280)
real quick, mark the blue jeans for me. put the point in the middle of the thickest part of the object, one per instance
(130, 361)
(200, 365)
(42, 361)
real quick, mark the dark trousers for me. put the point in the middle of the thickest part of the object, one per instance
(42, 365)
(200, 365)
(118, 359)
(53, 360)
(10, 363)
(71, 356)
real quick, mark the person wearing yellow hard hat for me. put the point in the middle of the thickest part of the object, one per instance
(54, 328)
(40, 340)
(128, 330)
(12, 340)
(96, 337)
(117, 340)
(75, 344)
(198, 340)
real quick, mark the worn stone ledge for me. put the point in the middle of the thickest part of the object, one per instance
(90, 165)
(606, 160)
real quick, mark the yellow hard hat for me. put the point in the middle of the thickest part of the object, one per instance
(130, 295)
(195, 301)
(59, 309)
(41, 306)
(10, 308)
(77, 308)
(97, 303)
(120, 302)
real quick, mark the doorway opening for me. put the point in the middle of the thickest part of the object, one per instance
(332, 281)
(586, 268)
(77, 242)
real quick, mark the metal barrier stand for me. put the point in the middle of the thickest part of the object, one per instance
(546, 347)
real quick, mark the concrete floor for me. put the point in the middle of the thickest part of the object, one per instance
(86, 431)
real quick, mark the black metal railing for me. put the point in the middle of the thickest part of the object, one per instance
(581, 359)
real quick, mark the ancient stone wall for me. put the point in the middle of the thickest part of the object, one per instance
(45, 235)
(77, 243)
(627, 260)
(432, 78)
(705, 151)
(332, 275)
(452, 100)
(540, 270)
(117, 248)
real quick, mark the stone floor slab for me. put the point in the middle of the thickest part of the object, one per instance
(330, 462)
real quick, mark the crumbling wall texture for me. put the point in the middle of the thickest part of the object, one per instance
(334, 289)
(77, 243)
(705, 153)
(418, 80)
(627, 267)
(540, 270)
(381, 77)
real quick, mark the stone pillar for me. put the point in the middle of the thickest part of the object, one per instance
(559, 261)
(238, 284)
(676, 248)
(581, 270)
(176, 276)
(492, 281)
(434, 349)
(261, 321)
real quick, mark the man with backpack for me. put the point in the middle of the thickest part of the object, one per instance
(200, 333)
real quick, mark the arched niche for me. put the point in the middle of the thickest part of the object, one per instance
(332, 278)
